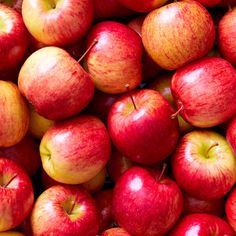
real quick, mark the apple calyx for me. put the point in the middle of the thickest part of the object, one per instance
(212, 146)
(162, 172)
(131, 97)
(95, 41)
(174, 115)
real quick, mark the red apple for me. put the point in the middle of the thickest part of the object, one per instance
(25, 153)
(16, 194)
(173, 38)
(201, 225)
(14, 38)
(145, 202)
(142, 5)
(204, 164)
(230, 208)
(15, 4)
(75, 150)
(116, 58)
(14, 114)
(227, 36)
(141, 127)
(196, 86)
(195, 205)
(115, 232)
(231, 133)
(65, 210)
(69, 88)
(226, 3)
(57, 23)
(209, 3)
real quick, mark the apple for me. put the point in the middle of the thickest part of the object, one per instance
(209, 3)
(231, 133)
(195, 205)
(201, 225)
(173, 38)
(142, 5)
(75, 150)
(14, 114)
(115, 232)
(16, 194)
(103, 201)
(65, 210)
(25, 153)
(141, 127)
(11, 233)
(145, 202)
(227, 36)
(57, 23)
(14, 38)
(195, 87)
(15, 4)
(227, 3)
(69, 88)
(230, 208)
(203, 160)
(116, 58)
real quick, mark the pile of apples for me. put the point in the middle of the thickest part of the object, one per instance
(117, 117)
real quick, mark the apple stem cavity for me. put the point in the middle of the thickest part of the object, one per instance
(131, 97)
(72, 208)
(89, 48)
(162, 171)
(212, 146)
(7, 184)
(173, 116)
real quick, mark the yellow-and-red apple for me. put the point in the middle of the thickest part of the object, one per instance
(173, 38)
(55, 83)
(196, 86)
(14, 114)
(141, 127)
(64, 211)
(57, 23)
(204, 164)
(116, 58)
(75, 150)
(16, 194)
(231, 133)
(14, 38)
(230, 206)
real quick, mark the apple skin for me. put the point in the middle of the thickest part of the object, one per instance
(25, 153)
(14, 114)
(167, 25)
(231, 133)
(227, 36)
(142, 5)
(72, 209)
(209, 3)
(204, 158)
(151, 120)
(115, 232)
(201, 225)
(14, 38)
(75, 150)
(153, 205)
(230, 206)
(57, 23)
(194, 205)
(69, 88)
(113, 67)
(195, 87)
(16, 194)
(11, 233)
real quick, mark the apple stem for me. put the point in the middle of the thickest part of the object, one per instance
(72, 208)
(89, 48)
(13, 177)
(162, 171)
(212, 146)
(173, 116)
(132, 99)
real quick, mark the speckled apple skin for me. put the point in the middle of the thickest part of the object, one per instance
(230, 208)
(144, 205)
(206, 90)
(178, 33)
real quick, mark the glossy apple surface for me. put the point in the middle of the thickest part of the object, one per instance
(195, 87)
(204, 164)
(72, 211)
(69, 88)
(116, 59)
(150, 120)
(153, 202)
(57, 23)
(230, 208)
(14, 38)
(75, 150)
(201, 225)
(163, 30)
